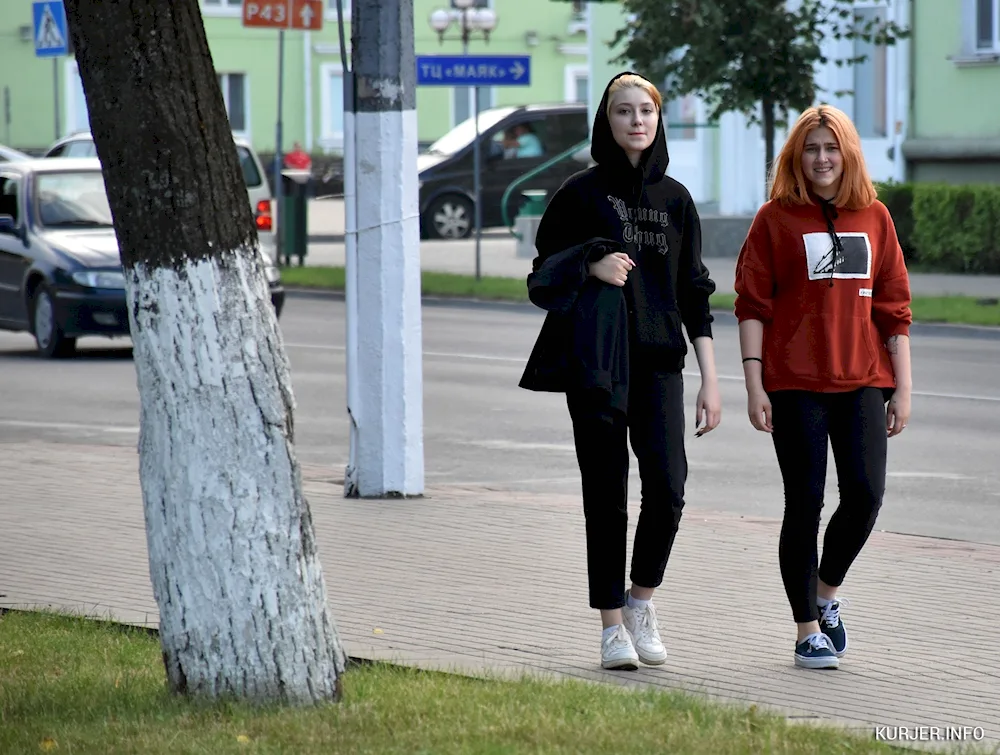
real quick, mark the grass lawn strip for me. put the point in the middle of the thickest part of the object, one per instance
(73, 685)
(961, 310)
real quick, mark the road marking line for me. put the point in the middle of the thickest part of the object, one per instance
(513, 445)
(931, 475)
(34, 424)
(687, 373)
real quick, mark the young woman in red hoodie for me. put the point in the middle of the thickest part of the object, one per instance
(823, 302)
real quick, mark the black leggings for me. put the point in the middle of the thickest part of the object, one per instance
(854, 422)
(655, 422)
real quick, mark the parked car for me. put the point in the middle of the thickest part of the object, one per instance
(60, 271)
(8, 155)
(81, 144)
(513, 141)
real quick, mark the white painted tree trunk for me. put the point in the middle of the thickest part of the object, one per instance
(232, 551)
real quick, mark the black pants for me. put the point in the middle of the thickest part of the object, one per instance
(655, 422)
(854, 422)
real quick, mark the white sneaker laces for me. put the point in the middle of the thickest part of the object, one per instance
(819, 642)
(646, 625)
(831, 612)
(619, 639)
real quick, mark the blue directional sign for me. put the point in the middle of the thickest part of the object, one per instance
(51, 34)
(474, 70)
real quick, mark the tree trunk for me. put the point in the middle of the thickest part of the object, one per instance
(232, 551)
(768, 108)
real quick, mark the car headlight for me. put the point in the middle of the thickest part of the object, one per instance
(100, 279)
(271, 271)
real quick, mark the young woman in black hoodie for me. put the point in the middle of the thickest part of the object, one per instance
(619, 269)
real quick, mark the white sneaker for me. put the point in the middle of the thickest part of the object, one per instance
(641, 624)
(617, 651)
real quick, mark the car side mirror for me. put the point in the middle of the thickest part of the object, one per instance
(7, 225)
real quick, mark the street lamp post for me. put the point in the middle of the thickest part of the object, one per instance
(469, 20)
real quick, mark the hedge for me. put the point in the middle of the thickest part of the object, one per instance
(945, 227)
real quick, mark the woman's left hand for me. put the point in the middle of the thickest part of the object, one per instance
(897, 414)
(709, 407)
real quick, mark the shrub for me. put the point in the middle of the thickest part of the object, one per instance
(898, 198)
(957, 228)
(945, 227)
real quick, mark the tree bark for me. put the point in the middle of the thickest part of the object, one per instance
(768, 108)
(232, 551)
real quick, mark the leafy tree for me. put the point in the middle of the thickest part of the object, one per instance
(755, 57)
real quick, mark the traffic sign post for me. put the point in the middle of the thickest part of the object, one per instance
(306, 15)
(50, 30)
(303, 15)
(474, 71)
(51, 35)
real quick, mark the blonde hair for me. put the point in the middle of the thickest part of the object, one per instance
(788, 182)
(634, 81)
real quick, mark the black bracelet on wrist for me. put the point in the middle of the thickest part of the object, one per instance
(753, 359)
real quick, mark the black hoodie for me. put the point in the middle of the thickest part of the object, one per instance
(654, 219)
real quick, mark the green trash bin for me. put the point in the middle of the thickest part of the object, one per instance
(527, 220)
(293, 216)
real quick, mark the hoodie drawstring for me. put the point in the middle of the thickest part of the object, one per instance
(830, 214)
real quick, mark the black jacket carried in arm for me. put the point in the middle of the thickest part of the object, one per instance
(607, 208)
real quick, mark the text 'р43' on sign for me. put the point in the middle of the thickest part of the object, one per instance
(283, 14)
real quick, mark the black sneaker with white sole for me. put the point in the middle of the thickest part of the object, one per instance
(816, 651)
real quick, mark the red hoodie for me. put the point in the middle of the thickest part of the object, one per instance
(827, 313)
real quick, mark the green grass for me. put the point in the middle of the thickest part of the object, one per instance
(76, 686)
(965, 310)
(432, 284)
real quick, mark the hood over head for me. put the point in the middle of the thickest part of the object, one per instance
(609, 154)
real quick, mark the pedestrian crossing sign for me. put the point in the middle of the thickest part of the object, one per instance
(50, 31)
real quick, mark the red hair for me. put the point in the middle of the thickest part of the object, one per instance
(788, 182)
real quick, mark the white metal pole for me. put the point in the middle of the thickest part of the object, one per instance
(350, 263)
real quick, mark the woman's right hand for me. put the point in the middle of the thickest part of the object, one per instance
(759, 409)
(612, 268)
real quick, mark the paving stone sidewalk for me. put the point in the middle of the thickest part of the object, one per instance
(477, 579)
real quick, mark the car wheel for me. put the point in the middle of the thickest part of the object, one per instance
(449, 217)
(48, 335)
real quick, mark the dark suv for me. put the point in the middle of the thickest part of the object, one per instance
(513, 141)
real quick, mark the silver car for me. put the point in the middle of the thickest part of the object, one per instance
(261, 203)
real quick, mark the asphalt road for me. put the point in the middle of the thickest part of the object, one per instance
(481, 428)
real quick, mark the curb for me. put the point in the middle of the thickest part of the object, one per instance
(987, 332)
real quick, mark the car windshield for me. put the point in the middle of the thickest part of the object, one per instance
(72, 200)
(250, 173)
(462, 135)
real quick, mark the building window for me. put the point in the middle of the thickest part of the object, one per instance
(871, 93)
(681, 118)
(462, 102)
(331, 9)
(988, 25)
(576, 87)
(236, 96)
(77, 117)
(331, 131)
